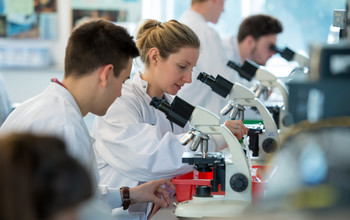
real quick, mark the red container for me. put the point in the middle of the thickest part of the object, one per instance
(186, 184)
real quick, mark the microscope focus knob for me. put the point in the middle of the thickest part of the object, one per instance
(269, 145)
(239, 182)
(287, 120)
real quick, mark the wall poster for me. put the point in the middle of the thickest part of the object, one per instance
(28, 19)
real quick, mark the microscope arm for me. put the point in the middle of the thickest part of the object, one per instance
(249, 69)
(244, 96)
(290, 55)
(206, 122)
(302, 60)
(268, 79)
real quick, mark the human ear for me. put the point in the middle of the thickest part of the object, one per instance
(153, 55)
(250, 40)
(106, 71)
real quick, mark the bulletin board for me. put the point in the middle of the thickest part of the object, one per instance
(28, 19)
(112, 10)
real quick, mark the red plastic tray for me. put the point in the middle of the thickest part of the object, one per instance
(186, 184)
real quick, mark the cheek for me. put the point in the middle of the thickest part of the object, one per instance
(166, 77)
(263, 52)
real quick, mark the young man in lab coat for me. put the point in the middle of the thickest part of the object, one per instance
(256, 35)
(98, 60)
(212, 59)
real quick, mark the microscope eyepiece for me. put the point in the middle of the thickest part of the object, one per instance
(286, 53)
(178, 112)
(156, 102)
(234, 65)
(160, 104)
(207, 79)
(220, 85)
(247, 70)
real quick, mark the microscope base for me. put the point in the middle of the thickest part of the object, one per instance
(210, 207)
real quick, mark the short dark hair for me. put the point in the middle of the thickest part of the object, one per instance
(259, 25)
(39, 178)
(97, 43)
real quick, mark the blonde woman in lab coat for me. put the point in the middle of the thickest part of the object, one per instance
(135, 142)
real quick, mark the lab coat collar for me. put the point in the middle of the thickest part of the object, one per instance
(142, 84)
(195, 16)
(56, 89)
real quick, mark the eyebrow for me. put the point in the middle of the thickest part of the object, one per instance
(185, 61)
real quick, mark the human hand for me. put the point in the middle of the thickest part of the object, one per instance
(237, 128)
(152, 191)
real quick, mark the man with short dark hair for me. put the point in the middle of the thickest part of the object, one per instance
(98, 60)
(255, 36)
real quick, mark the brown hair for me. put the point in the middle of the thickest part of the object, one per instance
(38, 178)
(259, 25)
(168, 37)
(97, 43)
(197, 1)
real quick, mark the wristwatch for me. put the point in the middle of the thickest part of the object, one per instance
(125, 194)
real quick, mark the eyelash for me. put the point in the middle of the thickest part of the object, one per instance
(182, 67)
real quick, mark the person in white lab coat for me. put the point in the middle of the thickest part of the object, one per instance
(5, 103)
(39, 180)
(212, 59)
(98, 60)
(135, 142)
(256, 35)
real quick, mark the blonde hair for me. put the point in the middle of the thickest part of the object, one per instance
(168, 37)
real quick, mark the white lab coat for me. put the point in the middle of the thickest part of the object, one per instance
(136, 143)
(212, 60)
(55, 112)
(230, 44)
(5, 104)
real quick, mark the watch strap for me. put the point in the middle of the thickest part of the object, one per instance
(125, 194)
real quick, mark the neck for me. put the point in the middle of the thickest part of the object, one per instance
(152, 89)
(243, 51)
(78, 90)
(202, 9)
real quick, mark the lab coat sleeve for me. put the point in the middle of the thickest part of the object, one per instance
(84, 153)
(135, 148)
(110, 196)
(5, 104)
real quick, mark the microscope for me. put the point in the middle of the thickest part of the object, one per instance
(299, 73)
(290, 55)
(248, 70)
(230, 171)
(261, 142)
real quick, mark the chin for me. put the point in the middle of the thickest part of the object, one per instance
(173, 93)
(101, 113)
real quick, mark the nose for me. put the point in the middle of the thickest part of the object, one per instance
(188, 77)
